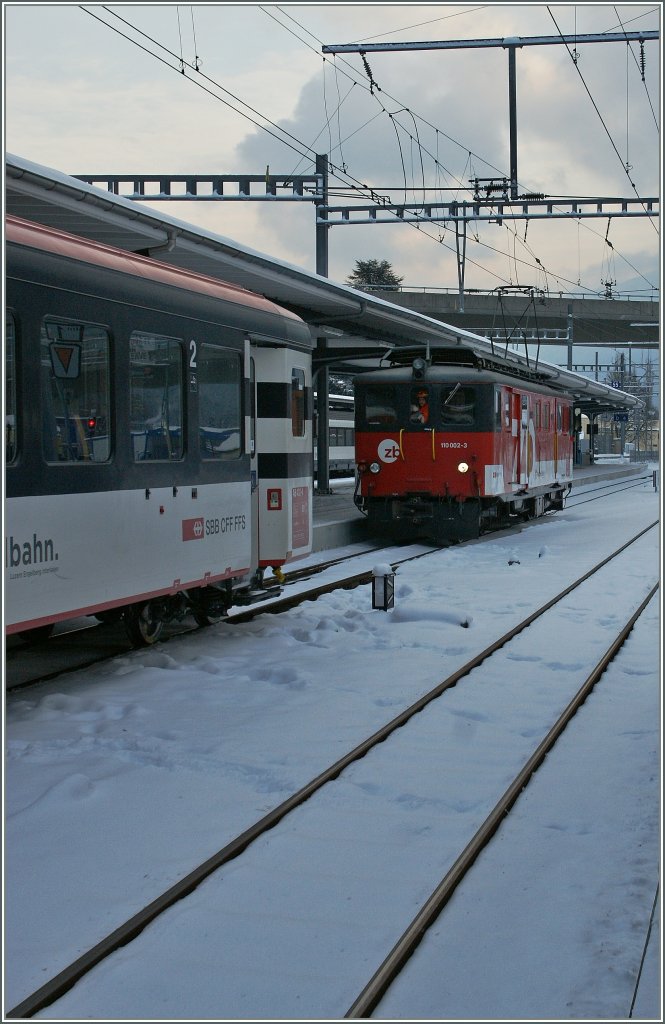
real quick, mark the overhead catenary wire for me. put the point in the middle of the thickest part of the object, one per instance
(432, 21)
(352, 70)
(296, 144)
(197, 62)
(307, 155)
(195, 82)
(426, 122)
(600, 116)
(303, 150)
(640, 66)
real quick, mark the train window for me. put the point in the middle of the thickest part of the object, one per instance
(497, 409)
(297, 402)
(380, 405)
(75, 392)
(155, 395)
(559, 417)
(458, 405)
(220, 389)
(10, 390)
(538, 416)
(546, 415)
(419, 407)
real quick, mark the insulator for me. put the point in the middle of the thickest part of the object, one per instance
(642, 59)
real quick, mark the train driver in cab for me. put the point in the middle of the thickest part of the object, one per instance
(420, 411)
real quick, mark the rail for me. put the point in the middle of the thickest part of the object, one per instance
(130, 929)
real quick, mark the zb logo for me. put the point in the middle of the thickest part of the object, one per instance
(388, 451)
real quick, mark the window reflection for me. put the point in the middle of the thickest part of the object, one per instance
(419, 406)
(380, 405)
(75, 392)
(220, 384)
(10, 390)
(156, 397)
(297, 402)
(458, 406)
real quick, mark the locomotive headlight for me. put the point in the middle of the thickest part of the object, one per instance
(374, 467)
(463, 467)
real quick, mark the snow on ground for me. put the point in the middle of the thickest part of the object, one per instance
(121, 778)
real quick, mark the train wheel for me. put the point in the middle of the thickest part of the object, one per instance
(143, 624)
(207, 606)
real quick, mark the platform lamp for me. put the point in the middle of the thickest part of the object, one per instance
(383, 587)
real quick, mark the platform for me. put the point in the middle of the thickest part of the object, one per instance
(337, 522)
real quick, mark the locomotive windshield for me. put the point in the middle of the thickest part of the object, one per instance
(420, 406)
(378, 405)
(458, 406)
(424, 405)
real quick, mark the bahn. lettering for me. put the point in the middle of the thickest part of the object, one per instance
(34, 552)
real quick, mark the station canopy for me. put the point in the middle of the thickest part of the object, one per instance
(351, 329)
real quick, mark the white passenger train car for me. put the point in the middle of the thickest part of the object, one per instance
(158, 437)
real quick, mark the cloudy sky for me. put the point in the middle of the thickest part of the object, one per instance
(114, 89)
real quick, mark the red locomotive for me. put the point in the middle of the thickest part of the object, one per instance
(447, 450)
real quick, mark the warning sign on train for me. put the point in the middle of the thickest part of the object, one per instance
(65, 360)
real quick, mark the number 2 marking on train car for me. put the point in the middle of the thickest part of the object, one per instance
(192, 358)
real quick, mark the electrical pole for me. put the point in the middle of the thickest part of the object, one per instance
(322, 374)
(510, 43)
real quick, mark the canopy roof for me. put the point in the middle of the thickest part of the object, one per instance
(356, 327)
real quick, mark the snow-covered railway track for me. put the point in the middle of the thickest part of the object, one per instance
(86, 642)
(606, 490)
(60, 985)
(408, 942)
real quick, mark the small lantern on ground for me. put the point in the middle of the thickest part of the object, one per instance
(383, 587)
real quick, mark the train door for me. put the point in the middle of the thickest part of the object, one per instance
(520, 433)
(562, 439)
(250, 434)
(283, 454)
(524, 439)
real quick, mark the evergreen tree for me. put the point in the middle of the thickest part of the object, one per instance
(374, 275)
(341, 383)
